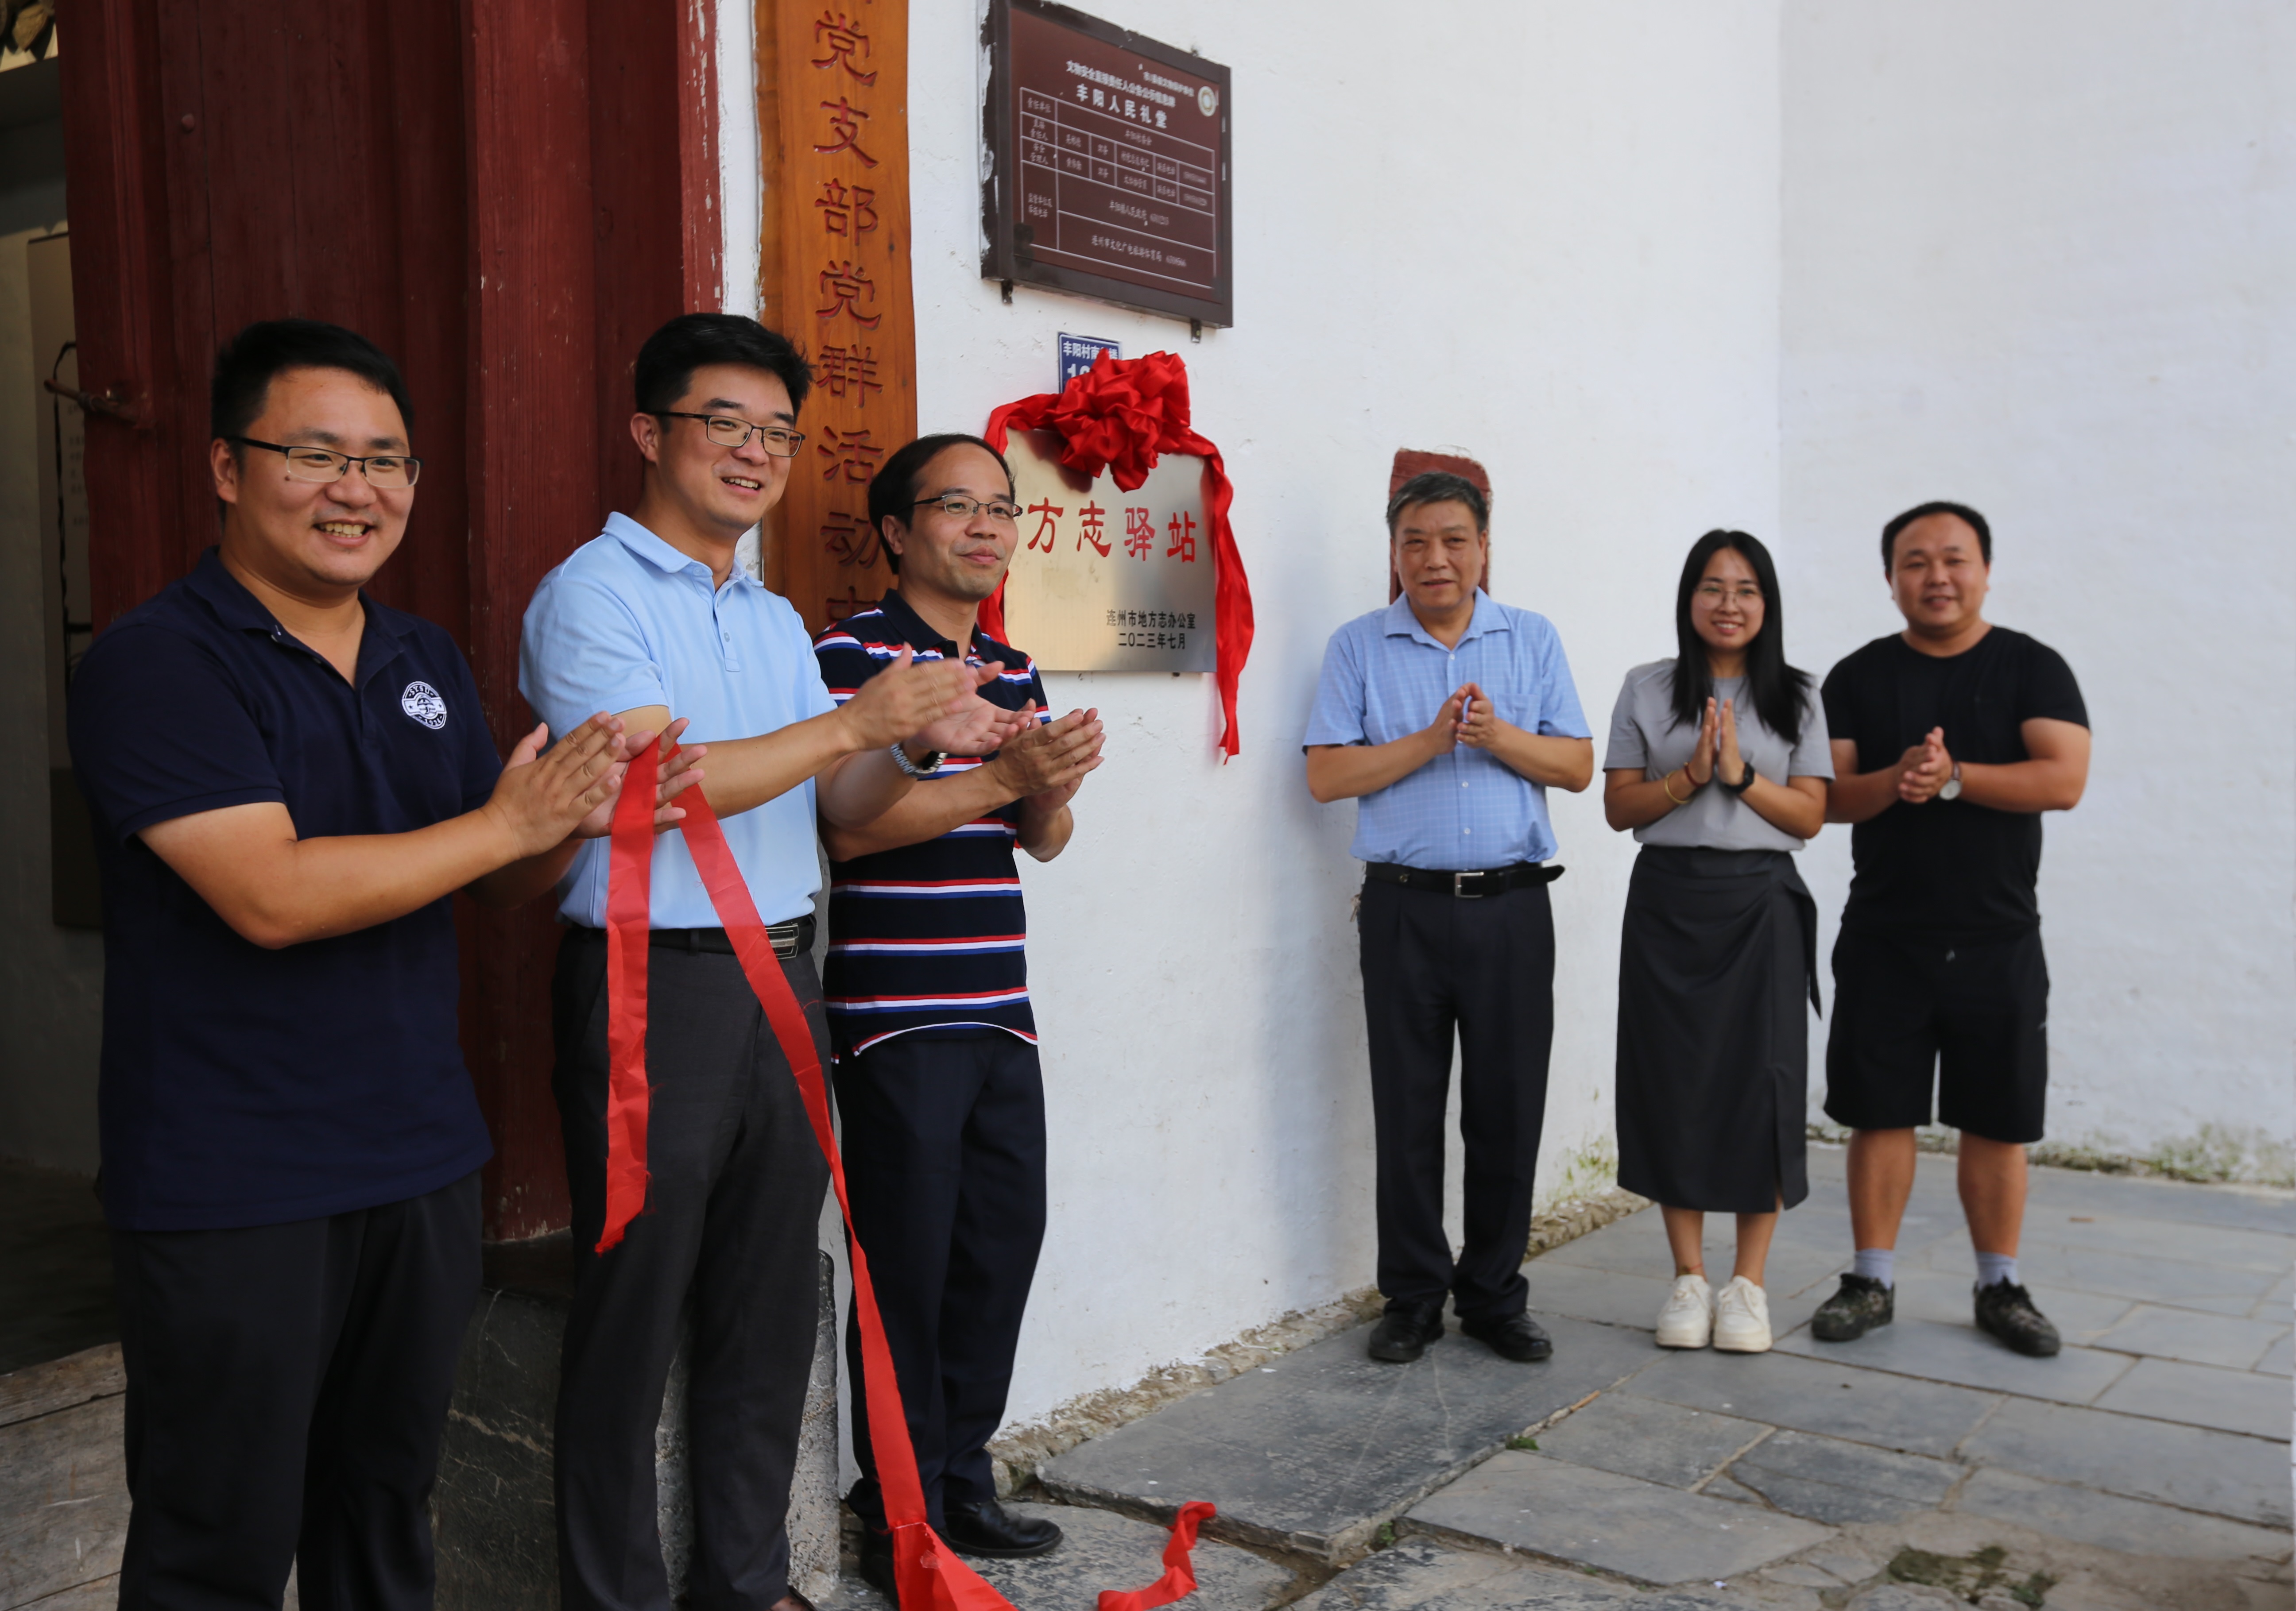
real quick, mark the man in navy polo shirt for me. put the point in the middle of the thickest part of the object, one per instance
(651, 619)
(939, 1092)
(290, 781)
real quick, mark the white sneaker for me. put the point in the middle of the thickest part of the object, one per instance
(1687, 1321)
(1742, 1318)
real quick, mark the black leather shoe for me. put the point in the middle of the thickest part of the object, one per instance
(1518, 1336)
(988, 1529)
(877, 1563)
(2006, 1310)
(1402, 1335)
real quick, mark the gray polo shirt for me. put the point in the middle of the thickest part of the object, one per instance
(1643, 734)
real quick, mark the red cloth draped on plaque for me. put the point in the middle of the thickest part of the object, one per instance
(928, 1575)
(1121, 417)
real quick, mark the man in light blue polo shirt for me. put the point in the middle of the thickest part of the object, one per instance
(655, 616)
(1450, 716)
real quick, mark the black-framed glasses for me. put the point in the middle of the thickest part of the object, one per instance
(726, 431)
(389, 471)
(957, 507)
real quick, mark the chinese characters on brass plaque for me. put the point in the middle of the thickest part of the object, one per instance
(1108, 169)
(1108, 580)
(834, 278)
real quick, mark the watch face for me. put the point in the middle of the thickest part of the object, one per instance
(1951, 790)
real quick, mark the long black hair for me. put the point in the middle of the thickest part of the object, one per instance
(1775, 690)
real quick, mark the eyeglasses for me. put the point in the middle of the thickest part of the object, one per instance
(1714, 591)
(964, 509)
(389, 472)
(726, 431)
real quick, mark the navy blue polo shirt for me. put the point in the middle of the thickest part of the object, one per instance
(929, 938)
(243, 1086)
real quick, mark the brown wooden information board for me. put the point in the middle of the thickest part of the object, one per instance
(1108, 164)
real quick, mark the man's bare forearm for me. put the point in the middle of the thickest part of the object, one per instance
(521, 881)
(1343, 771)
(276, 891)
(2053, 783)
(1550, 759)
(1860, 797)
(1045, 834)
(921, 814)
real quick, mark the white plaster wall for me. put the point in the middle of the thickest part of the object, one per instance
(2041, 259)
(1544, 234)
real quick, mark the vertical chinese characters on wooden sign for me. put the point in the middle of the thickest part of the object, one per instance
(832, 111)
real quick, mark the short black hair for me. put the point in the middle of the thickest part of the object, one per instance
(893, 489)
(1923, 512)
(1438, 486)
(690, 341)
(268, 348)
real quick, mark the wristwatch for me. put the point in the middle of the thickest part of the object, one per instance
(919, 769)
(1951, 789)
(1745, 778)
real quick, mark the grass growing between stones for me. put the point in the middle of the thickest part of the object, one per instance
(1974, 1577)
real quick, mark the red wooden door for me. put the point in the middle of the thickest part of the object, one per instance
(505, 195)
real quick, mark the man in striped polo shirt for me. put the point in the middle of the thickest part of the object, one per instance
(927, 988)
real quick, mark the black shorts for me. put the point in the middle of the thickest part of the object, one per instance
(1973, 1013)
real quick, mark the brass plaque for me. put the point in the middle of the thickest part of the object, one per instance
(1106, 580)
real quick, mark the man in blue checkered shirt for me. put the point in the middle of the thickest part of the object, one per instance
(1449, 715)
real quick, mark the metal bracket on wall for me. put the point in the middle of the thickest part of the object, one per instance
(107, 405)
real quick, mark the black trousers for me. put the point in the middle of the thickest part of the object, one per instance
(287, 1385)
(944, 1143)
(1435, 965)
(731, 1226)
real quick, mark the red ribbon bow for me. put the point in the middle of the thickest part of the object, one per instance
(1122, 416)
(929, 1575)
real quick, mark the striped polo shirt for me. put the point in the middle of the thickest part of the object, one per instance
(928, 938)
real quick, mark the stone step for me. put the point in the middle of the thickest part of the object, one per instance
(1600, 1520)
(1317, 1452)
(1418, 1574)
(1105, 1550)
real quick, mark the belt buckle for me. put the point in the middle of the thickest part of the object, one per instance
(1459, 886)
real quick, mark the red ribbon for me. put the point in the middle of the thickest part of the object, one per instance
(929, 1575)
(1121, 416)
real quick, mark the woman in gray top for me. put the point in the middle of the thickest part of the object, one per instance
(1718, 762)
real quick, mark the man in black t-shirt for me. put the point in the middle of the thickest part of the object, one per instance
(1949, 740)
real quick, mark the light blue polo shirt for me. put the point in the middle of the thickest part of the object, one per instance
(1385, 677)
(629, 621)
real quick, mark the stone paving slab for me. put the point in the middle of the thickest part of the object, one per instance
(1419, 1575)
(1648, 1438)
(1940, 1352)
(1636, 1245)
(2221, 1473)
(2276, 1361)
(1618, 1298)
(2185, 1283)
(1103, 1550)
(2202, 1396)
(1640, 1530)
(1829, 1480)
(1315, 1454)
(2079, 1192)
(1822, 1396)
(2230, 1248)
(2112, 1522)
(2196, 1338)
(1947, 1297)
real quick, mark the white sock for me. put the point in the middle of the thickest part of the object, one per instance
(1995, 1268)
(1876, 1265)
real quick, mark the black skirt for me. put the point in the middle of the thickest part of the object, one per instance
(1719, 953)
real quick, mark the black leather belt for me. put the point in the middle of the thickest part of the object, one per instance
(789, 938)
(1465, 886)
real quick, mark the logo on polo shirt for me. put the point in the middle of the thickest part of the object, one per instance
(421, 702)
